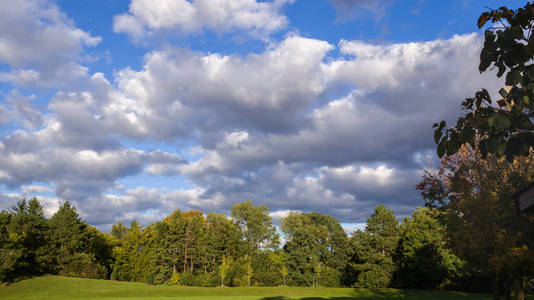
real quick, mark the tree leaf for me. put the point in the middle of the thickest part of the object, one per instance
(437, 135)
(442, 146)
(491, 121)
(513, 77)
(484, 17)
(502, 123)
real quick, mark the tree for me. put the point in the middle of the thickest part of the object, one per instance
(277, 259)
(226, 263)
(222, 237)
(314, 238)
(483, 223)
(374, 249)
(505, 129)
(79, 250)
(26, 250)
(249, 269)
(256, 226)
(423, 258)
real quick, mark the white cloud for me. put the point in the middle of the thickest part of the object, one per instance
(259, 18)
(40, 44)
(263, 126)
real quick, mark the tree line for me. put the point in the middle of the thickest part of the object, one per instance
(468, 236)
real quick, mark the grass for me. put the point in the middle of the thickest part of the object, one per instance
(58, 288)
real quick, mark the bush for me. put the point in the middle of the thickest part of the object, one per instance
(82, 265)
(175, 279)
(187, 279)
(114, 275)
(330, 277)
(206, 279)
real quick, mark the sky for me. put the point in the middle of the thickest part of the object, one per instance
(130, 109)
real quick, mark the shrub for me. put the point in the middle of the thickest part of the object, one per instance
(82, 265)
(175, 279)
(114, 275)
(187, 279)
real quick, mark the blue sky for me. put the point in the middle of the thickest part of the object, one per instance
(133, 108)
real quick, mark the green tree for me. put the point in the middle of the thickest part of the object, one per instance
(256, 226)
(79, 250)
(314, 238)
(133, 253)
(278, 260)
(222, 236)
(226, 263)
(423, 258)
(506, 129)
(374, 249)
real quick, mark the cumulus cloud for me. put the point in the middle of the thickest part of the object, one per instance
(264, 128)
(40, 44)
(259, 18)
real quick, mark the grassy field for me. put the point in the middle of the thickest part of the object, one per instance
(58, 288)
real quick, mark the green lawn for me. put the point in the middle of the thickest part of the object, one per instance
(57, 288)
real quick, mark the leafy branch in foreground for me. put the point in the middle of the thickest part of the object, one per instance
(505, 129)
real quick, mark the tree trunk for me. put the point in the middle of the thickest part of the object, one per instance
(518, 289)
(495, 287)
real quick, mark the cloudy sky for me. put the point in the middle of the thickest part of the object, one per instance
(131, 109)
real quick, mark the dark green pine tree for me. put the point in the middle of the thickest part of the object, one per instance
(75, 245)
(374, 249)
(25, 249)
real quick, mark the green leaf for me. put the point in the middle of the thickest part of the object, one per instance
(453, 146)
(502, 148)
(526, 99)
(485, 60)
(502, 123)
(484, 17)
(513, 77)
(442, 146)
(437, 135)
(491, 121)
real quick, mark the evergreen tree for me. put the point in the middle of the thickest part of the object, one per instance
(79, 250)
(26, 250)
(374, 249)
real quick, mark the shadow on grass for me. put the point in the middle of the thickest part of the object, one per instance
(367, 294)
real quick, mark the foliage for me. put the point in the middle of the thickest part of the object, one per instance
(423, 258)
(506, 129)
(25, 247)
(483, 223)
(314, 239)
(191, 249)
(374, 249)
(224, 267)
(256, 226)
(80, 250)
